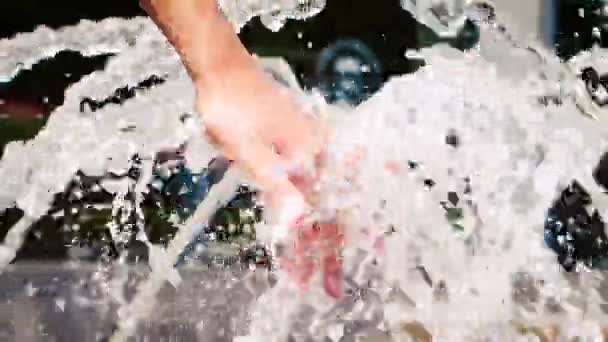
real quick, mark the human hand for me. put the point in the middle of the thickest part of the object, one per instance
(257, 124)
(268, 134)
(263, 128)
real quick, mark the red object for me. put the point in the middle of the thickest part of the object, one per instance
(21, 108)
(318, 244)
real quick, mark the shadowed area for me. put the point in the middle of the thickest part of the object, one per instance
(27, 99)
(25, 15)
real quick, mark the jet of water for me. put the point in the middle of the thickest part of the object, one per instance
(457, 127)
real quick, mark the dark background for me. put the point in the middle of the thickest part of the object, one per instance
(25, 15)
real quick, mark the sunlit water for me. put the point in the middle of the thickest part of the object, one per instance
(512, 158)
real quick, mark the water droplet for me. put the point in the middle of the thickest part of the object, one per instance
(60, 303)
(30, 290)
(452, 139)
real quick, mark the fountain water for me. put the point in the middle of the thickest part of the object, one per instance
(453, 132)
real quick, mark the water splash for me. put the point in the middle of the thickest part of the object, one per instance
(273, 13)
(98, 142)
(162, 262)
(514, 156)
(512, 159)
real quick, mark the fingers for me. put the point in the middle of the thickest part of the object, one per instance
(301, 264)
(332, 276)
(246, 140)
(318, 244)
(331, 245)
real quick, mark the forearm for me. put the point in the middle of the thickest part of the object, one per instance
(203, 38)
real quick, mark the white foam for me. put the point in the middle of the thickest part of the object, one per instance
(273, 13)
(517, 153)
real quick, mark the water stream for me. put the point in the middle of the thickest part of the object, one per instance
(459, 130)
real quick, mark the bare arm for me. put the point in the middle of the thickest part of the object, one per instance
(260, 127)
(202, 36)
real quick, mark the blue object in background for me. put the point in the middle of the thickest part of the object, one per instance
(349, 71)
(468, 37)
(550, 22)
(188, 189)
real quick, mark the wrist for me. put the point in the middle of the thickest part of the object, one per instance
(178, 10)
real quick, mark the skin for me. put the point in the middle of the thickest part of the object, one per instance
(258, 125)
